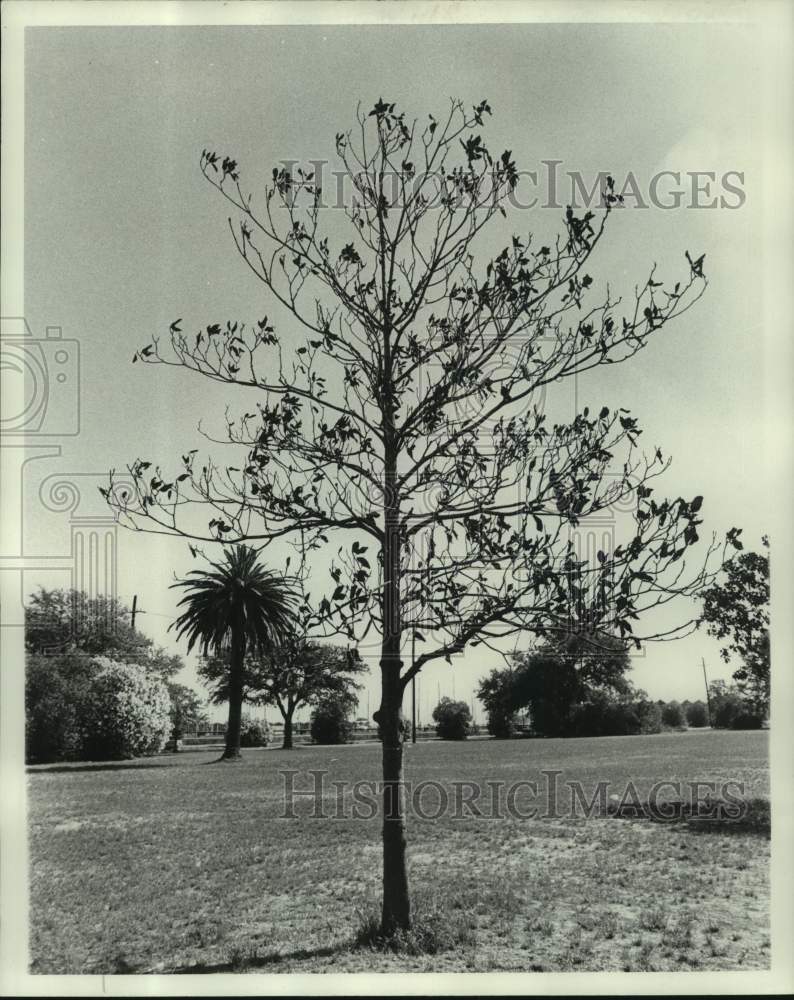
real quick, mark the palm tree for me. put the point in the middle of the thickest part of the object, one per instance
(235, 606)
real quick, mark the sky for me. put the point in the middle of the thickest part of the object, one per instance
(123, 235)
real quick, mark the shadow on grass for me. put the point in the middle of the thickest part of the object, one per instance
(738, 816)
(72, 768)
(250, 962)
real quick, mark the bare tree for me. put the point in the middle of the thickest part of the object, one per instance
(411, 415)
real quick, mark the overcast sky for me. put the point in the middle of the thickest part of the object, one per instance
(123, 235)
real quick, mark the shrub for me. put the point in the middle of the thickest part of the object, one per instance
(673, 715)
(452, 719)
(697, 715)
(56, 693)
(330, 723)
(602, 716)
(127, 712)
(501, 724)
(731, 711)
(746, 717)
(254, 733)
(650, 716)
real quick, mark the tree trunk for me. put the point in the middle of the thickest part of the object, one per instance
(396, 911)
(236, 661)
(287, 744)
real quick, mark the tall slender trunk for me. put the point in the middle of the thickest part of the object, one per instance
(236, 661)
(396, 911)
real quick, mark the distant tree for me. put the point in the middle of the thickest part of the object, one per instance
(697, 714)
(295, 673)
(330, 720)
(545, 682)
(737, 609)
(234, 606)
(556, 677)
(188, 714)
(648, 713)
(61, 621)
(673, 715)
(602, 714)
(411, 419)
(453, 719)
(128, 712)
(496, 694)
(731, 710)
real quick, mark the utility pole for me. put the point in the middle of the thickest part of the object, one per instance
(413, 690)
(134, 609)
(706, 682)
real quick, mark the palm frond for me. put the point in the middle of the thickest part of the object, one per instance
(237, 593)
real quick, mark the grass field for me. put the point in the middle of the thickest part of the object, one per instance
(181, 864)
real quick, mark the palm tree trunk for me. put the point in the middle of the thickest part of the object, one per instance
(232, 751)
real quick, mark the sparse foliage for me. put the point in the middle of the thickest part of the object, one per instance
(410, 422)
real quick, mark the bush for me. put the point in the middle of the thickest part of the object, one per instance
(501, 724)
(697, 715)
(56, 692)
(127, 713)
(330, 723)
(254, 733)
(602, 716)
(673, 715)
(731, 711)
(650, 716)
(452, 719)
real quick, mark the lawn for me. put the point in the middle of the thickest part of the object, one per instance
(178, 863)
